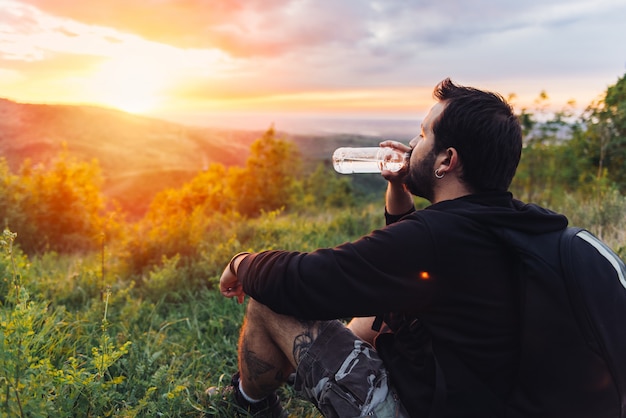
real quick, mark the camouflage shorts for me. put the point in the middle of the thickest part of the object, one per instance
(344, 377)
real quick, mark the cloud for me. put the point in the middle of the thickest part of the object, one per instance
(243, 28)
(323, 31)
(251, 48)
(277, 27)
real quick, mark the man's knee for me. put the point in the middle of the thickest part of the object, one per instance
(258, 313)
(289, 334)
(262, 321)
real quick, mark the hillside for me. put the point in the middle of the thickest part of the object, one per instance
(139, 156)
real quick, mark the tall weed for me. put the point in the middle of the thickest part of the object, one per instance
(43, 372)
(603, 213)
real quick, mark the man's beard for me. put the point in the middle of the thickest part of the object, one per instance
(420, 180)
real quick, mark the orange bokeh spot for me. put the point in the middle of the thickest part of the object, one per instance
(424, 275)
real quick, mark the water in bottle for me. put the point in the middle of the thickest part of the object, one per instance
(368, 159)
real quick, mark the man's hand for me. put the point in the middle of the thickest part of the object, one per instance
(230, 286)
(398, 200)
(397, 176)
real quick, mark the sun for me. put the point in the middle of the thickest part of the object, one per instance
(130, 84)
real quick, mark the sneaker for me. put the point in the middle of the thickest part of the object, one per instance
(269, 407)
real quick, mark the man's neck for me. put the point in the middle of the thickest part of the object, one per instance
(450, 188)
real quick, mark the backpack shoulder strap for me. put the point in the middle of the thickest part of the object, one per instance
(568, 234)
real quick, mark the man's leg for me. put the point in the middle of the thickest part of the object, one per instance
(337, 371)
(270, 347)
(362, 328)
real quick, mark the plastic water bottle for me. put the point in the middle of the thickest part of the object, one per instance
(368, 159)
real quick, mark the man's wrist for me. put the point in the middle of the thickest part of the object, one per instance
(398, 200)
(231, 264)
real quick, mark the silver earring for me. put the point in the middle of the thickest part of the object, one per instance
(439, 175)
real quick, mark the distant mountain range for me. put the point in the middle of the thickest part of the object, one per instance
(139, 156)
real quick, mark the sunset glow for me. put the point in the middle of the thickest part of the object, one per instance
(128, 84)
(288, 56)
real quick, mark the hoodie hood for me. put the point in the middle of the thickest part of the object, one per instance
(499, 210)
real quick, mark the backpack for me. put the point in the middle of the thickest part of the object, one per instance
(573, 341)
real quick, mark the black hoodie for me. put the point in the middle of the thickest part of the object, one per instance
(443, 266)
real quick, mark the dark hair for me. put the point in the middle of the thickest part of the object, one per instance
(483, 129)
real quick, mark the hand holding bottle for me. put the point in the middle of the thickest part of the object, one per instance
(370, 159)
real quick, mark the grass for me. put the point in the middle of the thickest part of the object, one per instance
(75, 343)
(68, 352)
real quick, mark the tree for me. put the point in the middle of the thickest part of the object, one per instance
(270, 178)
(60, 207)
(9, 210)
(604, 140)
(178, 220)
(548, 164)
(325, 188)
(206, 190)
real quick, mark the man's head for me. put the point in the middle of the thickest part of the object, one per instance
(470, 137)
(485, 132)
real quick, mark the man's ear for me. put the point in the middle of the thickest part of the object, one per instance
(454, 160)
(448, 161)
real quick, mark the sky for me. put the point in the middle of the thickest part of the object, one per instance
(190, 60)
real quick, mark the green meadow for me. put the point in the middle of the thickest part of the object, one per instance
(108, 315)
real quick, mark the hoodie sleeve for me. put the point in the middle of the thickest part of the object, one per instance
(376, 274)
(390, 219)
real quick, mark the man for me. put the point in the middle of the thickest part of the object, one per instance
(432, 281)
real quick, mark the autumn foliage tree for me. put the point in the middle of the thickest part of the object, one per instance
(54, 208)
(269, 180)
(179, 220)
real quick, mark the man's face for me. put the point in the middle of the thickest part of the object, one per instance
(420, 179)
